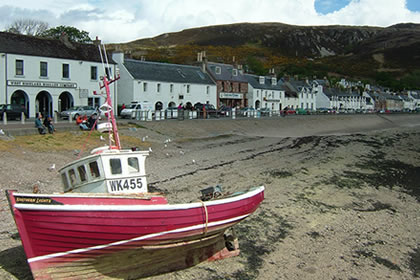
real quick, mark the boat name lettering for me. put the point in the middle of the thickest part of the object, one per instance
(34, 200)
(127, 184)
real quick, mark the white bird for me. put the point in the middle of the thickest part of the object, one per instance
(166, 146)
(167, 154)
(52, 167)
(150, 149)
(182, 152)
(143, 139)
(102, 138)
(193, 161)
(1, 132)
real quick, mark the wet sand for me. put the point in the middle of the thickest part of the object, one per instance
(341, 201)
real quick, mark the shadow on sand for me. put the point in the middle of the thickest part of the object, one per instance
(13, 260)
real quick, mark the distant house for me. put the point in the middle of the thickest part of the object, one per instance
(344, 100)
(291, 95)
(159, 86)
(46, 75)
(415, 97)
(265, 92)
(232, 86)
(306, 94)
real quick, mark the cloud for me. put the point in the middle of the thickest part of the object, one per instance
(123, 21)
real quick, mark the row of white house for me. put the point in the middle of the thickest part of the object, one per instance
(47, 75)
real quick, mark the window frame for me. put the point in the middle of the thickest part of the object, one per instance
(43, 69)
(19, 71)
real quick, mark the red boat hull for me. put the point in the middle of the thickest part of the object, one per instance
(85, 233)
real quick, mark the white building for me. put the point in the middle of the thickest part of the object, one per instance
(161, 85)
(265, 92)
(48, 75)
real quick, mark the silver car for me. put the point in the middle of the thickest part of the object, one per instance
(76, 111)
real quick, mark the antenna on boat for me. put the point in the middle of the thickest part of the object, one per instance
(114, 139)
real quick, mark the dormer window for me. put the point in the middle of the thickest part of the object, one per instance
(235, 72)
(273, 81)
(218, 70)
(262, 80)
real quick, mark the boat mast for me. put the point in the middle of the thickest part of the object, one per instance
(110, 109)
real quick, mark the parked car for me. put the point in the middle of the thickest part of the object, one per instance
(13, 111)
(129, 112)
(210, 109)
(247, 111)
(74, 112)
(264, 111)
(302, 111)
(224, 111)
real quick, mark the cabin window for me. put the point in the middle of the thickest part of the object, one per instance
(72, 176)
(65, 182)
(94, 169)
(115, 164)
(133, 165)
(82, 173)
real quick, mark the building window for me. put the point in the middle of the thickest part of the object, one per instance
(235, 72)
(171, 88)
(158, 87)
(108, 72)
(208, 89)
(181, 97)
(262, 80)
(19, 67)
(144, 87)
(94, 73)
(43, 69)
(188, 88)
(218, 70)
(66, 71)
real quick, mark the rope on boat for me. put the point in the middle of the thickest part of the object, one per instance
(207, 217)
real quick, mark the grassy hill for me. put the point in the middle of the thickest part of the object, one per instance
(390, 56)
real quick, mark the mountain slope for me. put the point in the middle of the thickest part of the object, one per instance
(360, 51)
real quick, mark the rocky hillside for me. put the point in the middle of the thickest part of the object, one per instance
(346, 50)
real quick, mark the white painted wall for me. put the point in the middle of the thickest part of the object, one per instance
(79, 76)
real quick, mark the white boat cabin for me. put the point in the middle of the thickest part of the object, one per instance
(107, 171)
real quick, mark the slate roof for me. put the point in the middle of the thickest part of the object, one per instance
(165, 72)
(254, 81)
(226, 73)
(11, 43)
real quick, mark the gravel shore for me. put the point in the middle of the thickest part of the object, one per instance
(342, 197)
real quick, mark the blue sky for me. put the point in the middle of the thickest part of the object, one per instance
(329, 6)
(129, 20)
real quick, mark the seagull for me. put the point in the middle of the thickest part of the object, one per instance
(182, 152)
(167, 154)
(52, 167)
(102, 138)
(166, 145)
(193, 161)
(143, 139)
(150, 149)
(1, 132)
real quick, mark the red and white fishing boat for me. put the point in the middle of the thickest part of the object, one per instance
(106, 224)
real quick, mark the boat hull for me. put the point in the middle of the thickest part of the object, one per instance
(122, 237)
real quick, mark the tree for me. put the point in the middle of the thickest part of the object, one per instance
(74, 34)
(27, 27)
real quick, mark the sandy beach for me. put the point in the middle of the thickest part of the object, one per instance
(342, 198)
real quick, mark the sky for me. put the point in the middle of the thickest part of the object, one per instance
(129, 20)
